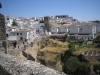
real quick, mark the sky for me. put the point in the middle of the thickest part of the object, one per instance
(82, 10)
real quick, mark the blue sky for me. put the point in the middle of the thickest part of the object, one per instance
(83, 10)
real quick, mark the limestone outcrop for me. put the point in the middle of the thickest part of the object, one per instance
(9, 65)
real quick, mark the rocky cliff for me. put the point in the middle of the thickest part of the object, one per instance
(9, 65)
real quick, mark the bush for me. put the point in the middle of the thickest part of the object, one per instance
(58, 57)
(71, 65)
(97, 39)
(75, 67)
(83, 69)
(96, 68)
(71, 47)
(14, 23)
(65, 36)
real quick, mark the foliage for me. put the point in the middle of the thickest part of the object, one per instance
(59, 37)
(97, 39)
(81, 41)
(44, 42)
(58, 57)
(71, 65)
(42, 21)
(71, 39)
(14, 23)
(71, 47)
(75, 67)
(83, 69)
(65, 36)
(96, 68)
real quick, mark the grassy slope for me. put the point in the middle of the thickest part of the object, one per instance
(54, 51)
(60, 48)
(83, 48)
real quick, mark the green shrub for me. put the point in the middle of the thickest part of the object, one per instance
(96, 68)
(58, 57)
(75, 67)
(71, 47)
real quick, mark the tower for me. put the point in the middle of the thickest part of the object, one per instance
(46, 24)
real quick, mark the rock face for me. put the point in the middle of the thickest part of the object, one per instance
(9, 65)
(3, 43)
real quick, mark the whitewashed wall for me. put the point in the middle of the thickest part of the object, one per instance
(98, 28)
(53, 29)
(73, 29)
(63, 29)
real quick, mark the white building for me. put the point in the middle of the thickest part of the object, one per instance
(84, 31)
(97, 27)
(58, 28)
(8, 20)
(21, 34)
(39, 27)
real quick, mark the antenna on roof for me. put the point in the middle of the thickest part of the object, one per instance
(0, 5)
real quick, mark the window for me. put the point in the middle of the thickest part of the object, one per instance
(6, 35)
(17, 33)
(80, 29)
(7, 18)
(20, 33)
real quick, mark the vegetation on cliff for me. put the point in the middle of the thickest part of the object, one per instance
(69, 54)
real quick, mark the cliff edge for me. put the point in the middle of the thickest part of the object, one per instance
(9, 65)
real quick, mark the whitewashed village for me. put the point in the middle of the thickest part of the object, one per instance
(27, 28)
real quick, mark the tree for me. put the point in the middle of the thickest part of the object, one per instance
(41, 21)
(65, 36)
(97, 39)
(83, 69)
(75, 67)
(71, 65)
(71, 47)
(96, 68)
(14, 23)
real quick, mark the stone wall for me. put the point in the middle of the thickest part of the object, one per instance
(3, 43)
(91, 54)
(20, 52)
(9, 65)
